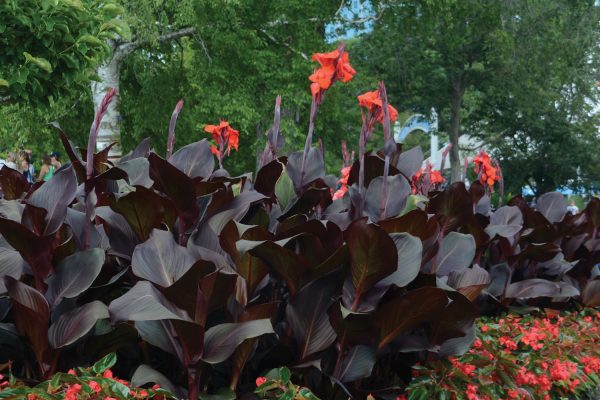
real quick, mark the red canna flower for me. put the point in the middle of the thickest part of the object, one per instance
(486, 172)
(372, 102)
(335, 66)
(225, 138)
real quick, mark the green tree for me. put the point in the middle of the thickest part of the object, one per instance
(49, 48)
(540, 115)
(241, 56)
(432, 53)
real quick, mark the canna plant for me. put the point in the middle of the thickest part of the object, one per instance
(211, 280)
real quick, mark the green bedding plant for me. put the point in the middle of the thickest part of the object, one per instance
(541, 356)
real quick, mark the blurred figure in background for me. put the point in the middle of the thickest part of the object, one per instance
(55, 159)
(11, 160)
(25, 166)
(47, 170)
(572, 208)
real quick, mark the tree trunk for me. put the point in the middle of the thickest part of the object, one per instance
(110, 127)
(454, 133)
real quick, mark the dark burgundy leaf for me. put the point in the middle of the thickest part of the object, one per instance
(74, 274)
(267, 177)
(314, 167)
(13, 183)
(221, 341)
(357, 363)
(454, 204)
(552, 206)
(377, 207)
(35, 250)
(143, 209)
(308, 317)
(405, 312)
(456, 252)
(410, 161)
(373, 256)
(54, 196)
(531, 288)
(160, 259)
(177, 186)
(143, 302)
(141, 151)
(74, 324)
(31, 313)
(195, 160)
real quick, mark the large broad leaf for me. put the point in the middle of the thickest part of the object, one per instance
(35, 250)
(357, 363)
(144, 302)
(122, 238)
(195, 159)
(78, 223)
(178, 186)
(507, 221)
(142, 150)
(54, 196)
(138, 172)
(234, 210)
(11, 209)
(410, 161)
(314, 167)
(308, 317)
(267, 177)
(552, 205)
(284, 191)
(456, 253)
(317, 195)
(160, 259)
(251, 268)
(373, 256)
(31, 313)
(500, 275)
(374, 167)
(221, 341)
(591, 294)
(459, 345)
(11, 264)
(74, 324)
(143, 209)
(378, 206)
(74, 274)
(146, 374)
(13, 183)
(455, 321)
(289, 265)
(160, 333)
(409, 250)
(406, 312)
(454, 204)
(470, 281)
(531, 288)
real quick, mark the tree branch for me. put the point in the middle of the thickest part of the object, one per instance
(125, 49)
(274, 40)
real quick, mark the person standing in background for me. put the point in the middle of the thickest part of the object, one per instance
(47, 170)
(25, 165)
(11, 160)
(55, 159)
(572, 208)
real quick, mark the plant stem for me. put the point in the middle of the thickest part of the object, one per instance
(193, 383)
(308, 143)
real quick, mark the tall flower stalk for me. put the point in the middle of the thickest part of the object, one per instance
(335, 66)
(172, 123)
(90, 197)
(373, 104)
